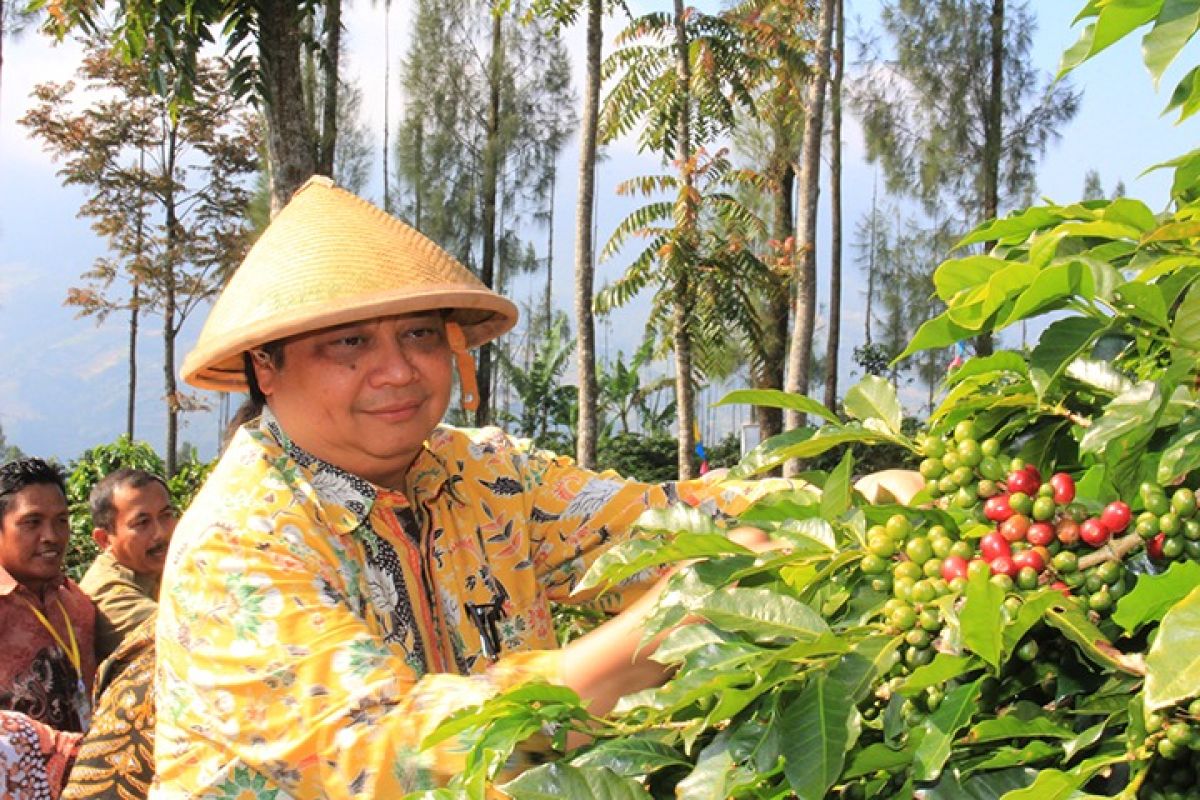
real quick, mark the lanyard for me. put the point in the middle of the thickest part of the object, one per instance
(72, 652)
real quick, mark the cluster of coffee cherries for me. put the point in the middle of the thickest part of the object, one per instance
(1169, 525)
(1174, 737)
(1037, 534)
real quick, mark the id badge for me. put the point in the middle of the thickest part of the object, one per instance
(83, 706)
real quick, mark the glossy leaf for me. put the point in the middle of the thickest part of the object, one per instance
(944, 667)
(942, 727)
(981, 619)
(631, 756)
(1004, 361)
(1179, 457)
(1016, 227)
(817, 730)
(1080, 630)
(990, 785)
(762, 613)
(774, 398)
(1128, 412)
(1186, 96)
(1186, 329)
(558, 780)
(1061, 342)
(1012, 726)
(1053, 784)
(874, 397)
(1153, 595)
(835, 500)
(1176, 24)
(1173, 663)
(941, 331)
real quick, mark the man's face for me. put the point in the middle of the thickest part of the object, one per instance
(33, 535)
(143, 521)
(363, 397)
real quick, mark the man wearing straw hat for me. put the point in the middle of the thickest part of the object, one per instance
(353, 571)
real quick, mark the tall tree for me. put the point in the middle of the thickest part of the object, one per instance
(959, 115)
(166, 190)
(833, 336)
(473, 155)
(264, 40)
(781, 32)
(801, 349)
(679, 77)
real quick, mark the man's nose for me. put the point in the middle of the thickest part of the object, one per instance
(395, 365)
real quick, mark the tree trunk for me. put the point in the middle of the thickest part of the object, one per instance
(800, 354)
(171, 222)
(585, 442)
(332, 34)
(131, 405)
(684, 395)
(872, 248)
(833, 340)
(487, 268)
(290, 146)
(550, 253)
(992, 139)
(769, 374)
(387, 86)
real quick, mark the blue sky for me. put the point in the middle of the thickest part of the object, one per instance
(62, 388)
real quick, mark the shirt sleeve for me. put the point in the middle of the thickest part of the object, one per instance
(121, 606)
(576, 514)
(269, 674)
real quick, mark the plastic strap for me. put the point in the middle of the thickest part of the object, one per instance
(466, 365)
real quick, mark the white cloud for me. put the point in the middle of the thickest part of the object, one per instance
(14, 276)
(102, 363)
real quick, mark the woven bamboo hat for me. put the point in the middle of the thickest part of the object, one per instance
(330, 258)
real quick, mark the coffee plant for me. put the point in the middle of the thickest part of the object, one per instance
(1027, 628)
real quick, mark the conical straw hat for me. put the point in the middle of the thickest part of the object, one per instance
(330, 258)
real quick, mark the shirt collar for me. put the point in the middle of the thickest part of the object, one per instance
(10, 585)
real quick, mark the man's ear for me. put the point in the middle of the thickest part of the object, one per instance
(264, 370)
(100, 537)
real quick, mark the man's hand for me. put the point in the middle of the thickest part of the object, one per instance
(890, 486)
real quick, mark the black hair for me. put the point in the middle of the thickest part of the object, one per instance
(273, 351)
(104, 511)
(25, 472)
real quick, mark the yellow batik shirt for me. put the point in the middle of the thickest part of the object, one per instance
(314, 628)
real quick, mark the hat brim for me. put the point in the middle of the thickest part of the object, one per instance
(217, 363)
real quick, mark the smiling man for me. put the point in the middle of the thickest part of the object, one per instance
(47, 647)
(133, 519)
(353, 570)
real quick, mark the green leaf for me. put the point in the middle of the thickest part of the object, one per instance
(990, 785)
(941, 331)
(1119, 18)
(631, 756)
(1053, 784)
(1180, 456)
(1000, 363)
(1186, 328)
(1096, 485)
(781, 506)
(1014, 228)
(1059, 344)
(1030, 753)
(835, 499)
(1130, 411)
(1101, 375)
(982, 621)
(762, 613)
(714, 775)
(558, 780)
(962, 274)
(1173, 663)
(860, 669)
(1176, 24)
(1145, 302)
(944, 667)
(874, 397)
(774, 398)
(1030, 613)
(1153, 595)
(1080, 630)
(941, 728)
(1013, 726)
(1186, 96)
(876, 757)
(817, 729)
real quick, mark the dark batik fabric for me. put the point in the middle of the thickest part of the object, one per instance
(34, 758)
(37, 678)
(116, 758)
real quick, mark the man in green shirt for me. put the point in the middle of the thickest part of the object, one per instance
(133, 519)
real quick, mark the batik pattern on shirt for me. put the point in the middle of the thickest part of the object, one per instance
(36, 676)
(313, 629)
